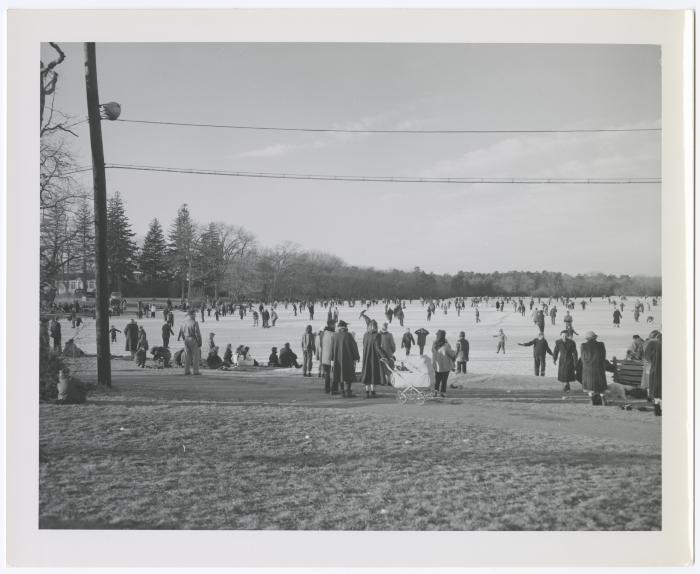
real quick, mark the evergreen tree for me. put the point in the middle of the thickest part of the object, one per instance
(83, 235)
(153, 259)
(209, 267)
(121, 249)
(182, 241)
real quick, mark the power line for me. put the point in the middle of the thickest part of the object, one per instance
(391, 179)
(395, 131)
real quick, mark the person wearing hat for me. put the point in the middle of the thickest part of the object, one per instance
(540, 348)
(652, 355)
(131, 337)
(189, 331)
(288, 358)
(344, 355)
(566, 353)
(273, 360)
(593, 367)
(323, 354)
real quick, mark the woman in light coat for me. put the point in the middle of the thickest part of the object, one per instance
(443, 362)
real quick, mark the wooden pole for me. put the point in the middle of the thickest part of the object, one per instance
(104, 367)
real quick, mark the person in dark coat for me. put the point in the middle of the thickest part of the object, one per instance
(593, 367)
(228, 356)
(407, 341)
(166, 331)
(565, 352)
(616, 317)
(372, 352)
(539, 320)
(288, 358)
(344, 355)
(421, 335)
(141, 348)
(131, 336)
(540, 348)
(652, 354)
(273, 360)
(56, 334)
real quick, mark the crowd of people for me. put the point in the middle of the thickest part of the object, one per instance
(337, 351)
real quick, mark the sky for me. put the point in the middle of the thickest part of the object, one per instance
(441, 228)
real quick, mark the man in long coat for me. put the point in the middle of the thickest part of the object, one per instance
(593, 367)
(565, 351)
(372, 352)
(388, 345)
(131, 337)
(344, 355)
(652, 354)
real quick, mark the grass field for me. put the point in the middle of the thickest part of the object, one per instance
(272, 451)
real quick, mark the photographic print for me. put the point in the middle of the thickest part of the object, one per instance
(419, 284)
(334, 286)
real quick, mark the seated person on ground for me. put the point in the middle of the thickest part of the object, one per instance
(213, 359)
(274, 360)
(228, 356)
(177, 357)
(244, 359)
(288, 358)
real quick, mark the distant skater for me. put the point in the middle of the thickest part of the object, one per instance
(501, 341)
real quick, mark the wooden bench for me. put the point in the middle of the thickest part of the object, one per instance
(628, 372)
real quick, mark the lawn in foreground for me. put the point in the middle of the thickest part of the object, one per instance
(126, 462)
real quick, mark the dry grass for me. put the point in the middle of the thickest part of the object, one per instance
(122, 462)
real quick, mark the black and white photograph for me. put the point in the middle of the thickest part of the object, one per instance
(420, 285)
(339, 286)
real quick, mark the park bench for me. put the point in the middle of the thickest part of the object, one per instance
(629, 372)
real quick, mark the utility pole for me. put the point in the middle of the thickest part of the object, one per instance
(104, 367)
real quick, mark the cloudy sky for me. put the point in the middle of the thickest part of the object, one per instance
(439, 227)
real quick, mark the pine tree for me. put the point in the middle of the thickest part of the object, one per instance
(182, 240)
(121, 249)
(83, 231)
(153, 259)
(209, 265)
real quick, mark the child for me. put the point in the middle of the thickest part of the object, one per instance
(113, 333)
(255, 319)
(462, 353)
(228, 356)
(274, 360)
(501, 341)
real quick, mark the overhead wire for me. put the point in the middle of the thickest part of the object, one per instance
(384, 131)
(389, 179)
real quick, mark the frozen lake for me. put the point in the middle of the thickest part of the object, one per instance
(483, 359)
